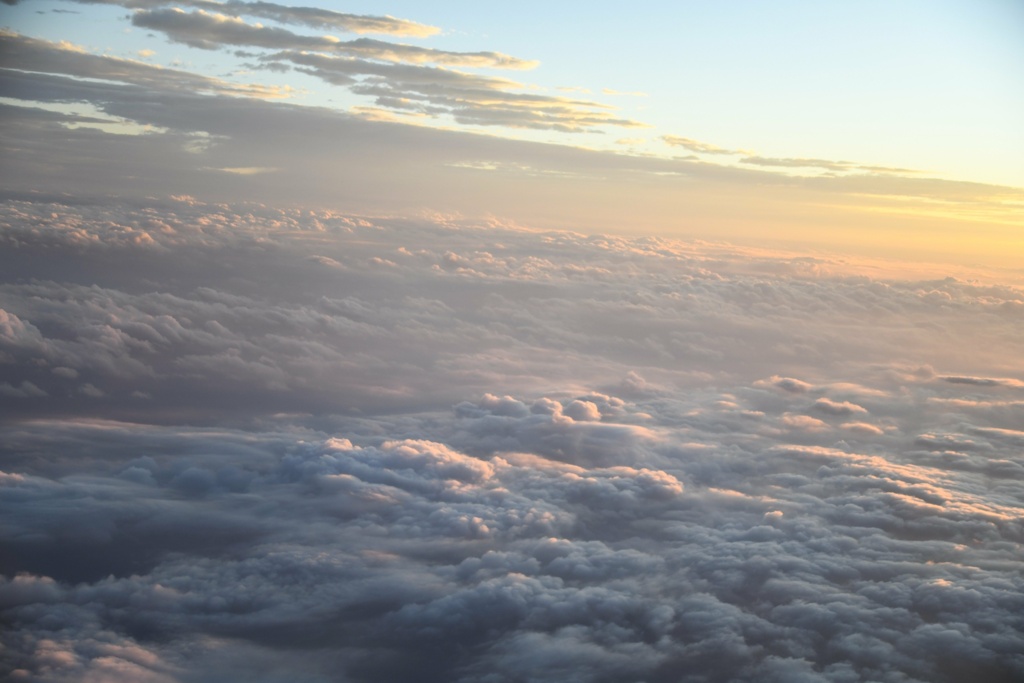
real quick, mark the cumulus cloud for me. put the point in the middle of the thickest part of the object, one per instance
(24, 390)
(789, 384)
(385, 448)
(830, 407)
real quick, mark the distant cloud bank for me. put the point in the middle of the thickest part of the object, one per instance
(244, 442)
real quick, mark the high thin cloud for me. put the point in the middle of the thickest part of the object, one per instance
(468, 98)
(410, 86)
(211, 31)
(313, 17)
(24, 59)
(696, 145)
(782, 163)
(823, 164)
(463, 452)
(431, 90)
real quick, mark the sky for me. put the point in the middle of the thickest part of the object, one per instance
(681, 342)
(880, 129)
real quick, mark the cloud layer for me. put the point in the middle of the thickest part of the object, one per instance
(260, 443)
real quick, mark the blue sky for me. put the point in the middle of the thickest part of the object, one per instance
(933, 85)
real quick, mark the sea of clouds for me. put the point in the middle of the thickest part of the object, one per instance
(248, 443)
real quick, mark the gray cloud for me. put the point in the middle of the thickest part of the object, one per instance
(24, 390)
(380, 448)
(430, 90)
(985, 381)
(321, 18)
(470, 99)
(314, 17)
(264, 343)
(24, 53)
(212, 30)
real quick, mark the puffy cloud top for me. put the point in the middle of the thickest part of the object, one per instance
(465, 454)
